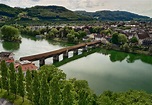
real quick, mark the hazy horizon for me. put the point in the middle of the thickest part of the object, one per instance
(141, 7)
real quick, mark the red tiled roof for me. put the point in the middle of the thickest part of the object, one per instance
(25, 67)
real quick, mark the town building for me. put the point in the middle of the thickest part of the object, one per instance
(8, 57)
(25, 65)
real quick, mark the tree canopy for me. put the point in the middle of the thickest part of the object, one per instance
(10, 33)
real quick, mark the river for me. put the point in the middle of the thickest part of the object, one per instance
(104, 70)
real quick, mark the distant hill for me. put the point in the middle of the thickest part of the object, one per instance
(8, 11)
(40, 13)
(107, 15)
(59, 13)
(53, 12)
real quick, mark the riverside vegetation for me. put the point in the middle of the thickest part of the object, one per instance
(49, 86)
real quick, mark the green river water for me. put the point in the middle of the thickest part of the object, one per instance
(104, 70)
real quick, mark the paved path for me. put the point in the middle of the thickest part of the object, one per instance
(4, 102)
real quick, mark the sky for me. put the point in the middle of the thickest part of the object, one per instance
(142, 7)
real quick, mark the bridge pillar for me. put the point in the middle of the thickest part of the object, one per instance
(93, 46)
(84, 49)
(75, 52)
(42, 62)
(55, 58)
(65, 54)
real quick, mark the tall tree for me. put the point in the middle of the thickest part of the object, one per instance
(84, 94)
(55, 92)
(20, 83)
(44, 91)
(68, 94)
(13, 79)
(5, 76)
(29, 85)
(36, 88)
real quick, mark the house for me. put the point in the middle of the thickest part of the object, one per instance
(141, 37)
(7, 56)
(147, 42)
(97, 36)
(25, 65)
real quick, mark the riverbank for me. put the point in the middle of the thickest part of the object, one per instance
(129, 50)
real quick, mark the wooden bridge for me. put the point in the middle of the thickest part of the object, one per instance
(55, 54)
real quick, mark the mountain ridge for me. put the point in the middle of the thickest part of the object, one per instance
(60, 13)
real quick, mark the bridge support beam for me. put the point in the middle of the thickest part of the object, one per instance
(75, 52)
(93, 46)
(84, 49)
(42, 62)
(55, 58)
(65, 55)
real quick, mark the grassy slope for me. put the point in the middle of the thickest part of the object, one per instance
(17, 101)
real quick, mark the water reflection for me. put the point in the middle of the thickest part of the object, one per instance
(130, 58)
(11, 46)
(112, 70)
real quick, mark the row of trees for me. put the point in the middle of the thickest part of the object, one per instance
(46, 87)
(49, 86)
(72, 35)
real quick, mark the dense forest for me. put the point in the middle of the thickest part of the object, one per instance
(49, 86)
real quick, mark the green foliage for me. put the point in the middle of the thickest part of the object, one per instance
(13, 79)
(68, 94)
(50, 87)
(107, 15)
(73, 37)
(114, 38)
(36, 88)
(133, 40)
(27, 31)
(122, 38)
(51, 72)
(82, 34)
(125, 47)
(84, 94)
(125, 98)
(44, 91)
(5, 77)
(106, 32)
(58, 13)
(29, 85)
(119, 38)
(55, 91)
(10, 33)
(20, 83)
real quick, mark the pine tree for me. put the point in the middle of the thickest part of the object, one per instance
(5, 76)
(44, 91)
(29, 85)
(36, 88)
(13, 79)
(20, 83)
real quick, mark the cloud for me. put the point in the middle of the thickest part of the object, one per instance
(35, 0)
(143, 7)
(4, 0)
